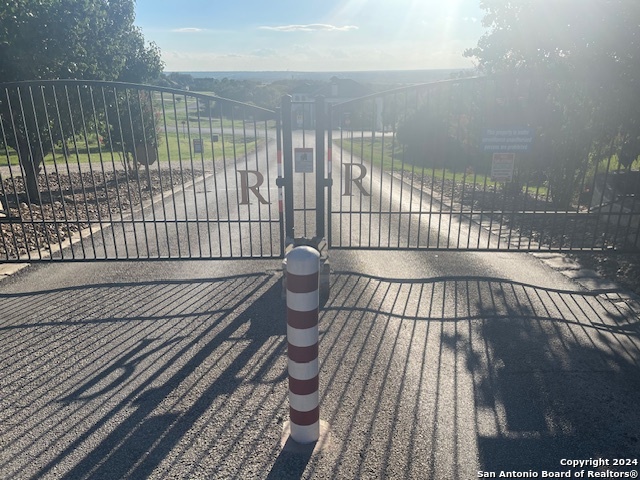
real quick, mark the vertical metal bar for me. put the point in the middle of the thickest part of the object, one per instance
(47, 234)
(320, 195)
(484, 113)
(209, 107)
(135, 175)
(159, 130)
(148, 139)
(182, 176)
(85, 134)
(341, 176)
(126, 170)
(4, 207)
(330, 176)
(193, 184)
(427, 105)
(246, 164)
(115, 174)
(223, 138)
(235, 176)
(173, 205)
(35, 171)
(287, 145)
(607, 217)
(371, 163)
(280, 179)
(394, 106)
(204, 181)
(266, 160)
(70, 176)
(51, 140)
(96, 124)
(304, 174)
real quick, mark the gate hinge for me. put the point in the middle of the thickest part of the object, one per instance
(328, 182)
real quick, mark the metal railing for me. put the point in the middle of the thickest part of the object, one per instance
(477, 164)
(104, 170)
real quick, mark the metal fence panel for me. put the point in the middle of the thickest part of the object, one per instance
(477, 164)
(108, 171)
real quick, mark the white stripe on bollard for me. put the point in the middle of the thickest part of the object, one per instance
(304, 403)
(302, 302)
(303, 371)
(302, 338)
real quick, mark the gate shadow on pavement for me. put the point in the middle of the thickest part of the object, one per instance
(154, 379)
(421, 378)
(445, 377)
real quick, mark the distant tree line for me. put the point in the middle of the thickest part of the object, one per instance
(247, 91)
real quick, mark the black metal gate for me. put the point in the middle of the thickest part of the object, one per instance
(478, 164)
(109, 171)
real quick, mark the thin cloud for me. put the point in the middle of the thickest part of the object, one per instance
(188, 30)
(313, 27)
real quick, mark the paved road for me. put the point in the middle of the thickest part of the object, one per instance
(433, 366)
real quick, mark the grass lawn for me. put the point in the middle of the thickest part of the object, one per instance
(389, 155)
(172, 146)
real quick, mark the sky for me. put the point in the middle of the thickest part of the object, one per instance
(311, 35)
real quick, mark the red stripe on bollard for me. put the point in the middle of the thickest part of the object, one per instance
(302, 320)
(302, 354)
(304, 418)
(303, 387)
(302, 283)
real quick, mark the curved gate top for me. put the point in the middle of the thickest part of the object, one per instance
(104, 170)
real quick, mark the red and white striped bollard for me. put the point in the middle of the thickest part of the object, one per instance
(303, 267)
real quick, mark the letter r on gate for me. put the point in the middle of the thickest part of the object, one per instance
(349, 179)
(245, 188)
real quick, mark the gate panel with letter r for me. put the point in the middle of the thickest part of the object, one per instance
(109, 171)
(478, 164)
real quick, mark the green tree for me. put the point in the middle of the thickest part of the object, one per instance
(585, 54)
(63, 39)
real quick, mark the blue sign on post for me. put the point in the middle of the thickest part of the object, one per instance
(511, 140)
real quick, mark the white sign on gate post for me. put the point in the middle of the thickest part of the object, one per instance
(303, 160)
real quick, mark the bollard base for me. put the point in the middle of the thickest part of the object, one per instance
(288, 444)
